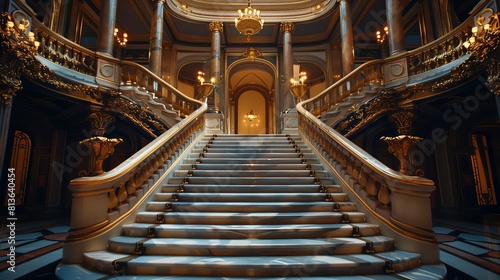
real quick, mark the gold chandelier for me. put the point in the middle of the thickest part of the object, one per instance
(251, 116)
(249, 21)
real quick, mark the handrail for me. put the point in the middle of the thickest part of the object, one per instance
(379, 188)
(107, 194)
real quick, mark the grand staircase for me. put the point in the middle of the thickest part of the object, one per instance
(253, 206)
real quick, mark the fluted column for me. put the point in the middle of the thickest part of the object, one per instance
(287, 28)
(347, 37)
(394, 10)
(215, 71)
(155, 52)
(105, 38)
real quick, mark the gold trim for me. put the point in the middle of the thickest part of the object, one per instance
(85, 230)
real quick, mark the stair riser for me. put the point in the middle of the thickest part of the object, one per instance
(241, 234)
(242, 219)
(278, 270)
(154, 248)
(192, 188)
(272, 197)
(251, 181)
(226, 207)
(194, 159)
(263, 155)
(249, 166)
(250, 173)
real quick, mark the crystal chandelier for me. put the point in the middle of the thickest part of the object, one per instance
(251, 116)
(249, 22)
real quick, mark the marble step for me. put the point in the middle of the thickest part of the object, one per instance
(220, 188)
(250, 144)
(251, 226)
(250, 149)
(250, 155)
(249, 218)
(250, 166)
(248, 207)
(193, 158)
(250, 247)
(252, 266)
(251, 173)
(252, 180)
(251, 197)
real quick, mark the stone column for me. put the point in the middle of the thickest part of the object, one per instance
(287, 28)
(105, 37)
(6, 99)
(394, 9)
(347, 37)
(156, 38)
(215, 71)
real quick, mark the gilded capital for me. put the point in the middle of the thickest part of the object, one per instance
(215, 26)
(286, 26)
(404, 121)
(99, 122)
(159, 1)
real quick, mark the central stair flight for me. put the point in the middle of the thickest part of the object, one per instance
(252, 206)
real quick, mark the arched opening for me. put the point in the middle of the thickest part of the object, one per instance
(251, 113)
(251, 87)
(19, 165)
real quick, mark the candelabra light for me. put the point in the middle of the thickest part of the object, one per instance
(485, 28)
(382, 36)
(299, 88)
(249, 21)
(16, 31)
(204, 89)
(122, 41)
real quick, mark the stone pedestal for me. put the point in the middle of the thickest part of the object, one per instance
(214, 122)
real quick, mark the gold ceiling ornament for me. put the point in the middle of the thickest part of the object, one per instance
(249, 21)
(250, 116)
(251, 54)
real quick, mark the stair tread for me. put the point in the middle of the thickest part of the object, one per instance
(255, 266)
(251, 226)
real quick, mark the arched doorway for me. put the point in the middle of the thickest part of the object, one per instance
(251, 113)
(251, 87)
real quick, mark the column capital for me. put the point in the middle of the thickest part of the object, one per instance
(159, 1)
(286, 26)
(215, 26)
(99, 121)
(403, 121)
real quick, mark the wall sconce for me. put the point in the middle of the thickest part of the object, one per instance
(16, 31)
(121, 40)
(487, 24)
(382, 36)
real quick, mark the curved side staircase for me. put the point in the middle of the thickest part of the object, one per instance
(253, 206)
